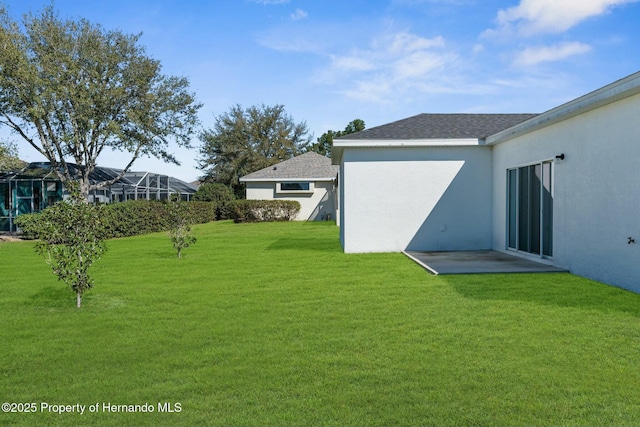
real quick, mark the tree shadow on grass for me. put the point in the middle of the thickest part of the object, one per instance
(163, 253)
(317, 244)
(61, 297)
(53, 297)
(555, 289)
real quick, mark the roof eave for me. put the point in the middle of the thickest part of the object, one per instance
(426, 142)
(243, 179)
(340, 145)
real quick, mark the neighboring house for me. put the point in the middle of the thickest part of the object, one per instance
(309, 178)
(36, 186)
(561, 186)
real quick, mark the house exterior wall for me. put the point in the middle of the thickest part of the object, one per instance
(595, 190)
(316, 206)
(417, 198)
(261, 190)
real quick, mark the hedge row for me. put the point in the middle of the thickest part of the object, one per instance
(133, 217)
(265, 210)
(136, 217)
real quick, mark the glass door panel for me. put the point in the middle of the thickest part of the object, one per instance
(530, 209)
(512, 207)
(4, 199)
(547, 210)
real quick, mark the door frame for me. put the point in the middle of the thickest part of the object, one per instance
(545, 217)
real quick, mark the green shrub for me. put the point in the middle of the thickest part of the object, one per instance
(28, 225)
(202, 212)
(135, 217)
(131, 218)
(221, 194)
(265, 210)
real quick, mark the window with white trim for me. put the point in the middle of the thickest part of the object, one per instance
(294, 187)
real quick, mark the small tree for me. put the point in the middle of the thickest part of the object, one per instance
(71, 237)
(180, 225)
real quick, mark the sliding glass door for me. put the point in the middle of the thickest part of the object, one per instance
(530, 209)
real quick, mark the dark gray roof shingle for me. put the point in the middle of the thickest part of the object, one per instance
(305, 166)
(442, 126)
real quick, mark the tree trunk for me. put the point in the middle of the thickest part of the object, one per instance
(84, 189)
(78, 299)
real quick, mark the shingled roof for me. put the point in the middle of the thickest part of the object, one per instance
(442, 126)
(309, 165)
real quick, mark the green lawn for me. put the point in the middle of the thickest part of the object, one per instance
(271, 324)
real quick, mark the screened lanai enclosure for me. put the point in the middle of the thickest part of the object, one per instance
(36, 186)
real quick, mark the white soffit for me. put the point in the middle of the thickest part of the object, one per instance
(287, 179)
(356, 143)
(339, 145)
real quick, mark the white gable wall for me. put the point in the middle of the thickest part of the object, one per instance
(596, 190)
(316, 206)
(426, 198)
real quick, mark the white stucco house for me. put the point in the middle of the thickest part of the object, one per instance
(309, 178)
(561, 187)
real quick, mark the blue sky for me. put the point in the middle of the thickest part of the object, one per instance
(331, 61)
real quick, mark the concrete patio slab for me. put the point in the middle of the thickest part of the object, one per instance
(466, 262)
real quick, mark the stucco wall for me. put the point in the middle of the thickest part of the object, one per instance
(316, 206)
(418, 198)
(596, 190)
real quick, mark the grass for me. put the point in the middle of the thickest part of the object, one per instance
(271, 324)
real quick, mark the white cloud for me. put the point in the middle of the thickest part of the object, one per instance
(537, 55)
(376, 90)
(420, 64)
(398, 56)
(389, 68)
(298, 15)
(353, 62)
(551, 16)
(477, 49)
(271, 1)
(445, 2)
(394, 66)
(289, 42)
(406, 42)
(401, 55)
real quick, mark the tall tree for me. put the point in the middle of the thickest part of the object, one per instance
(9, 161)
(246, 140)
(325, 142)
(72, 89)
